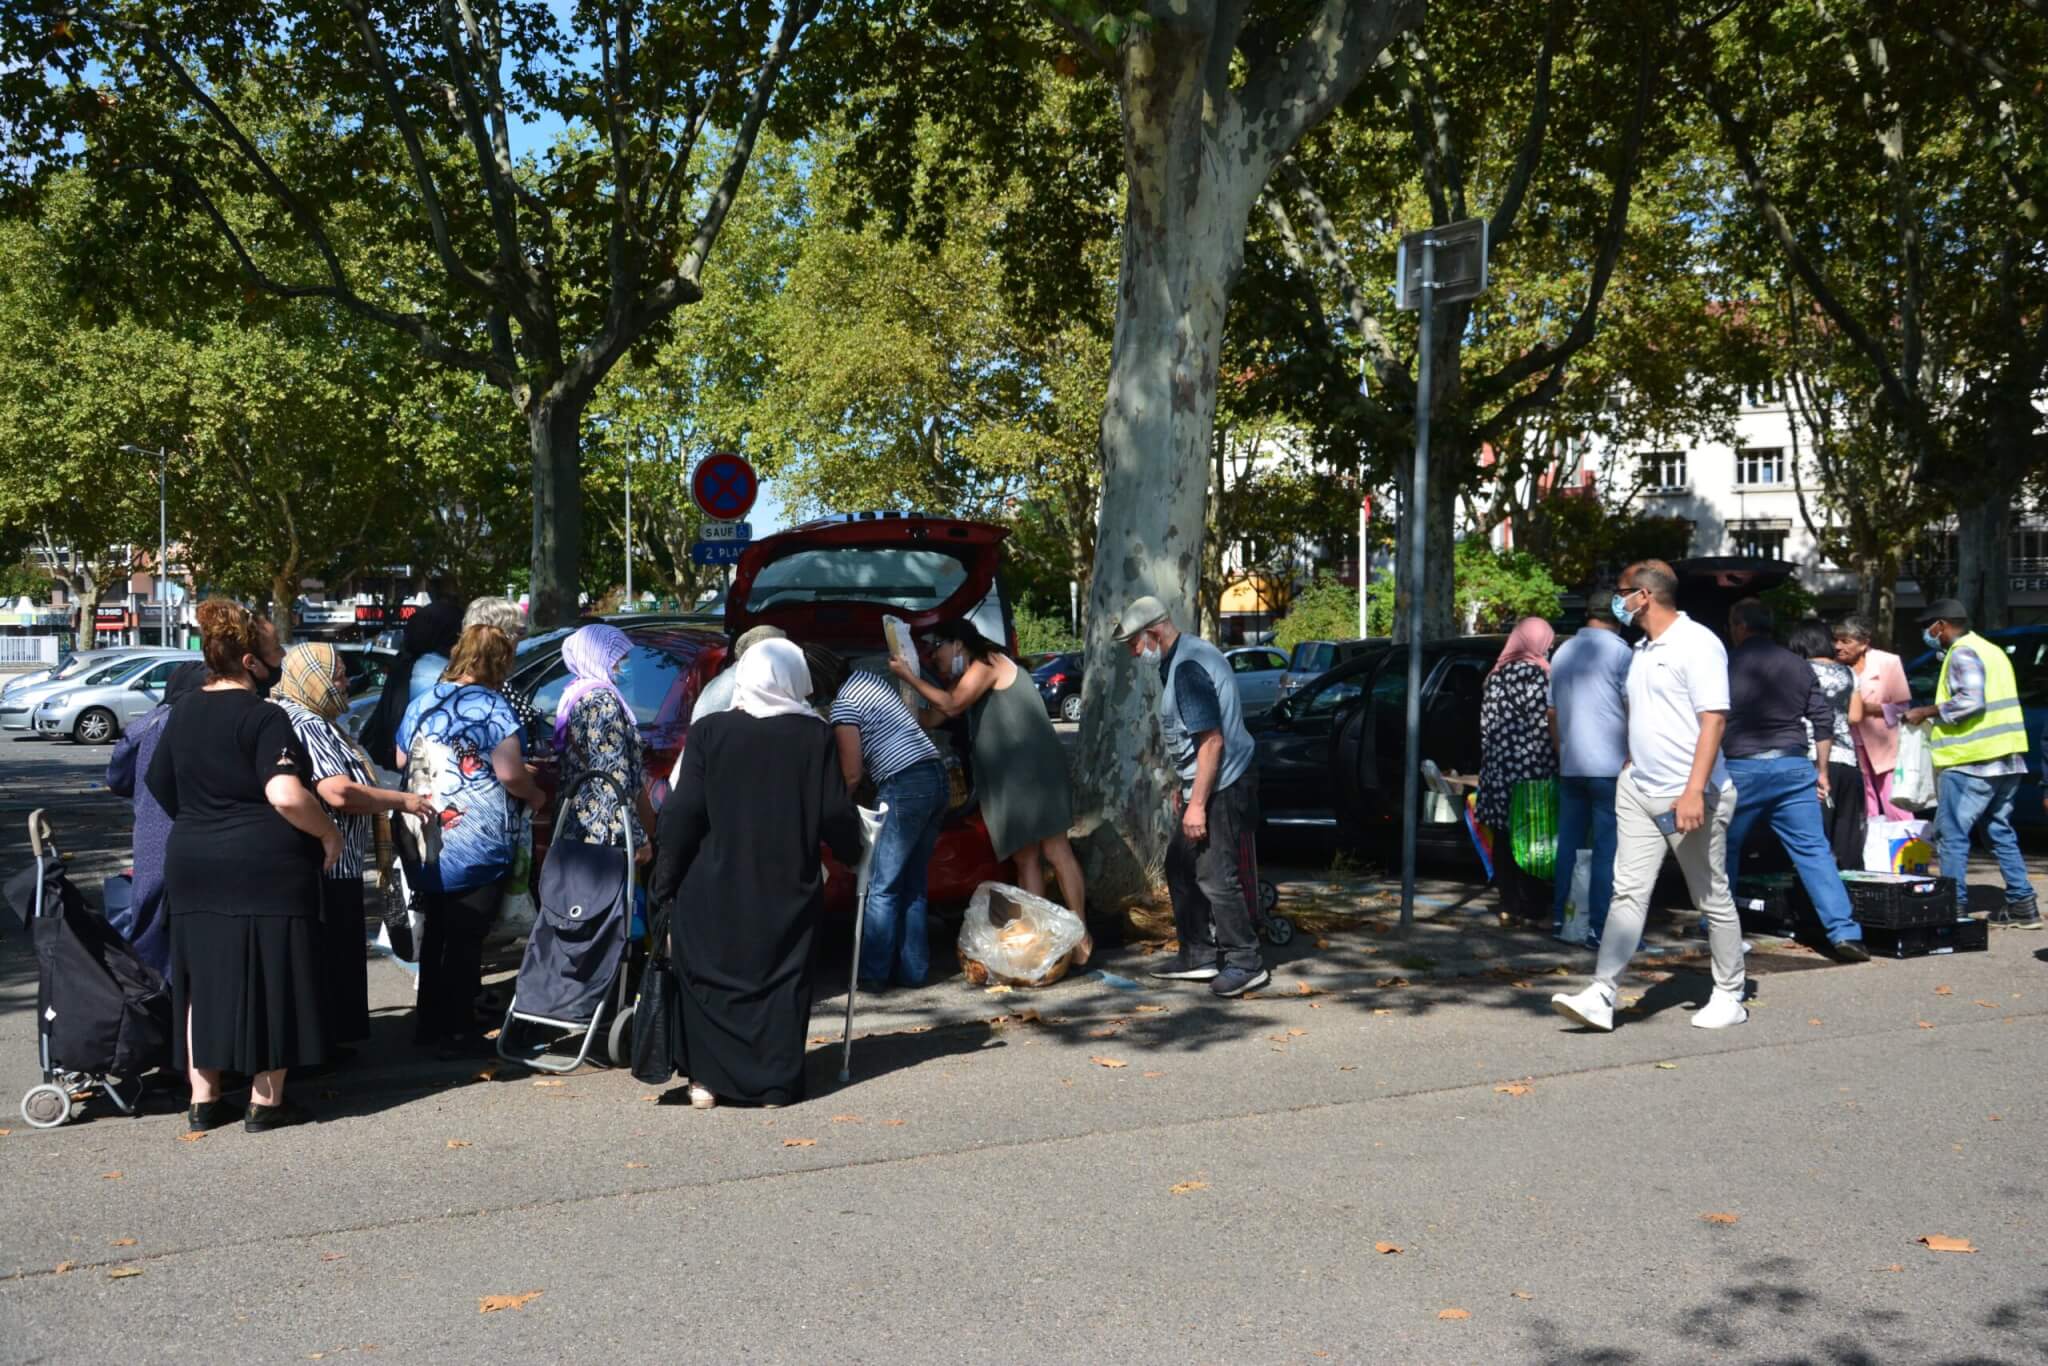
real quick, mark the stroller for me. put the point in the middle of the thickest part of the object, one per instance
(103, 1016)
(580, 955)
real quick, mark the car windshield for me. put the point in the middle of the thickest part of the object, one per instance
(913, 580)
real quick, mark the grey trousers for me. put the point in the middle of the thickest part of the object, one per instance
(1702, 856)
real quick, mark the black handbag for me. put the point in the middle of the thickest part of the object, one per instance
(658, 1014)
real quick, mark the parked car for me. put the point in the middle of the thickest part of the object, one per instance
(1295, 759)
(367, 666)
(1059, 682)
(830, 582)
(1310, 659)
(91, 667)
(95, 713)
(2027, 648)
(1258, 670)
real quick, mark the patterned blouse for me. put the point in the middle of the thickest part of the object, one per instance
(1514, 738)
(334, 757)
(601, 736)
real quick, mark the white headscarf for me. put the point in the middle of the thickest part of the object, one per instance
(772, 679)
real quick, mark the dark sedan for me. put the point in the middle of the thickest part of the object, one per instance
(1296, 761)
(1058, 677)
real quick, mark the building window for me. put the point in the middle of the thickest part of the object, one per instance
(1760, 395)
(1762, 539)
(1666, 471)
(1756, 465)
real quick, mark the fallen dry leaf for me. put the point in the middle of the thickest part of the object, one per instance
(1513, 1088)
(636, 1166)
(1988, 1005)
(1722, 1218)
(1521, 1294)
(1454, 1314)
(1382, 1010)
(548, 1081)
(1296, 1033)
(334, 1256)
(122, 1242)
(110, 1176)
(1391, 982)
(1925, 1025)
(822, 1038)
(1386, 1249)
(122, 1273)
(847, 1119)
(1108, 1062)
(491, 1304)
(458, 1143)
(1184, 1187)
(1151, 1010)
(799, 1142)
(1001, 989)
(1522, 986)
(1944, 991)
(490, 1034)
(1992, 1118)
(1029, 1017)
(1107, 1032)
(652, 1100)
(1304, 989)
(1349, 1067)
(1151, 1074)
(895, 1123)
(63, 1267)
(5, 1132)
(1941, 1242)
(1895, 1266)
(1667, 1067)
(1813, 1020)
(488, 1072)
(1322, 943)
(192, 1136)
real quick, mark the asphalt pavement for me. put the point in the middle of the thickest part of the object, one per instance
(1396, 1153)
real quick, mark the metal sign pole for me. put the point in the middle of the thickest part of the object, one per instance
(1418, 563)
(629, 529)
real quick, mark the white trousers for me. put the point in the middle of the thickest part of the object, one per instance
(1639, 855)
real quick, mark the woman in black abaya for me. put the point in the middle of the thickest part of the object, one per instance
(737, 866)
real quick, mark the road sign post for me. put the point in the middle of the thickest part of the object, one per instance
(1437, 265)
(724, 487)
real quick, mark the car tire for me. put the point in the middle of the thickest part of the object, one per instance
(95, 727)
(1070, 707)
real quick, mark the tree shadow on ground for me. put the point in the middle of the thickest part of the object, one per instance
(1764, 1312)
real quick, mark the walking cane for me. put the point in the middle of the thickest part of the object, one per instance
(870, 830)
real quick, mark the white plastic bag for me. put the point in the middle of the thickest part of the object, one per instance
(1913, 780)
(1578, 905)
(1011, 936)
(1898, 847)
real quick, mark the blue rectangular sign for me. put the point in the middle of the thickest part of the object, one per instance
(717, 552)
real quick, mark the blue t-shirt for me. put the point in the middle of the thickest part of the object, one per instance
(1589, 691)
(479, 819)
(1201, 710)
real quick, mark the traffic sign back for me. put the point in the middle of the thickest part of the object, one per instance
(725, 486)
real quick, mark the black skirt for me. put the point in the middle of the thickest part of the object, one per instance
(344, 961)
(253, 988)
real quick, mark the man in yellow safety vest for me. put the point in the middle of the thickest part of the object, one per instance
(1979, 747)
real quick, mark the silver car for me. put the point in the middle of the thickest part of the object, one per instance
(1257, 670)
(96, 666)
(93, 713)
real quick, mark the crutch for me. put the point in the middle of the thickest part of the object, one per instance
(870, 830)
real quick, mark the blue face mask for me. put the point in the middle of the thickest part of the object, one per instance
(1933, 640)
(1621, 612)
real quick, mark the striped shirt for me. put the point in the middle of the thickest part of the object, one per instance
(334, 757)
(890, 738)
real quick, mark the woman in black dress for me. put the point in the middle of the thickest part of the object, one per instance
(1515, 747)
(248, 844)
(737, 866)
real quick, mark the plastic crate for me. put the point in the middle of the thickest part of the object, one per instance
(1895, 901)
(1773, 902)
(1919, 941)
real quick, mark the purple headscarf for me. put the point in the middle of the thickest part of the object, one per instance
(590, 654)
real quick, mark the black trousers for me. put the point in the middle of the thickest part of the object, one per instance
(452, 959)
(1207, 882)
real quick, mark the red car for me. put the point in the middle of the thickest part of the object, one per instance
(830, 582)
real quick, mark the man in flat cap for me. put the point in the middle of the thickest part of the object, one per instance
(1979, 747)
(1215, 803)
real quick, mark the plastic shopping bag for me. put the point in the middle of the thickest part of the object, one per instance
(1532, 812)
(1014, 937)
(1578, 906)
(1898, 847)
(517, 911)
(1913, 779)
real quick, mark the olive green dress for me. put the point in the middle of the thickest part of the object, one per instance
(1020, 767)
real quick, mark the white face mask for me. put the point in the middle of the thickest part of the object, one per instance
(1149, 651)
(956, 664)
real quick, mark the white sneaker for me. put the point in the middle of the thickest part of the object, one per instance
(1593, 1007)
(1722, 1009)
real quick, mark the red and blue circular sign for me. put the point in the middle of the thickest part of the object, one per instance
(725, 486)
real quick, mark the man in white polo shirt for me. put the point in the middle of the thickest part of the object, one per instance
(1674, 796)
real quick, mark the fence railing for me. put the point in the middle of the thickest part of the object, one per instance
(28, 649)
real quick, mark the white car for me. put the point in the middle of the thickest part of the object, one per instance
(96, 666)
(94, 713)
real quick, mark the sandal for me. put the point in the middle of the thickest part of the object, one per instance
(701, 1099)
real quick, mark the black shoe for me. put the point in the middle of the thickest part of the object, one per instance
(1849, 951)
(2024, 914)
(211, 1114)
(265, 1117)
(1233, 982)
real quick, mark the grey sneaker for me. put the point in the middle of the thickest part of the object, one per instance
(1180, 970)
(1237, 981)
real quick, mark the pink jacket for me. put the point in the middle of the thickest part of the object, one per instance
(1880, 679)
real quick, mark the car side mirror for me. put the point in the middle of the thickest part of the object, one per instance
(1283, 712)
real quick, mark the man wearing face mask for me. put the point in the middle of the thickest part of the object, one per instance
(1979, 744)
(1215, 803)
(1673, 797)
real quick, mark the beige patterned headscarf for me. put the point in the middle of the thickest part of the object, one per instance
(308, 680)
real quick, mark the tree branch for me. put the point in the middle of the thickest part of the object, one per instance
(1531, 150)
(1285, 97)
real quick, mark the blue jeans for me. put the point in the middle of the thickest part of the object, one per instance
(894, 944)
(1786, 791)
(1583, 802)
(1966, 800)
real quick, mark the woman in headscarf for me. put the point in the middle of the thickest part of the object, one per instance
(313, 691)
(146, 928)
(596, 731)
(423, 654)
(1514, 747)
(739, 875)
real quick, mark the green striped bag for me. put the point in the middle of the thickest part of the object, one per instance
(1532, 816)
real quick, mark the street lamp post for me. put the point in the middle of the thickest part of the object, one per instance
(629, 527)
(163, 562)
